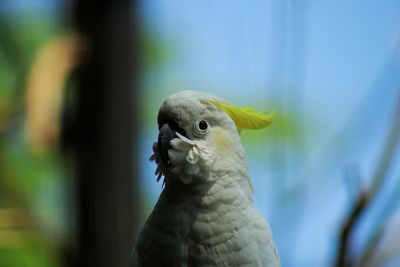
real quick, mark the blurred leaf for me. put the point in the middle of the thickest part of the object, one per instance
(27, 255)
(154, 51)
(285, 128)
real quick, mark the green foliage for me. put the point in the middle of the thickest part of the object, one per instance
(24, 177)
(26, 256)
(285, 128)
(153, 52)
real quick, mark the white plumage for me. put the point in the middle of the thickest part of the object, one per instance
(205, 215)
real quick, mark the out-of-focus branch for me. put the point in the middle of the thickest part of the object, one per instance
(366, 197)
(380, 174)
(45, 88)
(343, 259)
(387, 154)
(102, 133)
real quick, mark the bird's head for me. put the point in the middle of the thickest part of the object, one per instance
(199, 136)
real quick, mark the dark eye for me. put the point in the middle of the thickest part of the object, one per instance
(203, 125)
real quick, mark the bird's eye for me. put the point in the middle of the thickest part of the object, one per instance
(201, 127)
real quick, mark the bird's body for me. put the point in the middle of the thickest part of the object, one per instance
(205, 215)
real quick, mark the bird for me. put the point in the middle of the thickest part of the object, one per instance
(205, 214)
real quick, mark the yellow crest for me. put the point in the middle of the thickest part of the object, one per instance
(245, 117)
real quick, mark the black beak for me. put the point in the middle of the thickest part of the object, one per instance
(166, 133)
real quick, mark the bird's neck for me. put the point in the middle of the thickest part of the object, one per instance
(227, 187)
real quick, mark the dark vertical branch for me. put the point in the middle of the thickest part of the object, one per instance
(379, 178)
(103, 134)
(342, 259)
(366, 198)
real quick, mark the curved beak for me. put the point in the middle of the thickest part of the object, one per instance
(167, 132)
(165, 135)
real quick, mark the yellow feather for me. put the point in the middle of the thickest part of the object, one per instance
(246, 117)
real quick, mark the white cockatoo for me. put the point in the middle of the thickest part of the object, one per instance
(205, 214)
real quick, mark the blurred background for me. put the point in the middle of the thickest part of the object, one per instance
(80, 87)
